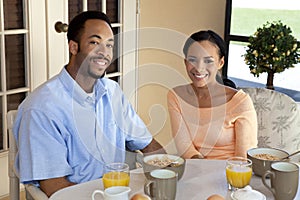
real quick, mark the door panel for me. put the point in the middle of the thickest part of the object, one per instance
(56, 42)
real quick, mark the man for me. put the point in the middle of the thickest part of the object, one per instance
(68, 128)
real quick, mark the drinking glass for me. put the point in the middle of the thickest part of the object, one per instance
(238, 172)
(116, 174)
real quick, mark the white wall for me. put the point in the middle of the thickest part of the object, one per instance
(165, 25)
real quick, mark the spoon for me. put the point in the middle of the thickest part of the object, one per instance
(288, 156)
(173, 164)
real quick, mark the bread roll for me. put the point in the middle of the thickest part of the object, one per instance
(140, 196)
(216, 197)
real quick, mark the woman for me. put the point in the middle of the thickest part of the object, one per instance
(210, 120)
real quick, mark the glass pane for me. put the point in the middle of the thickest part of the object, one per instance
(247, 16)
(114, 67)
(286, 82)
(116, 78)
(1, 51)
(1, 125)
(112, 10)
(94, 5)
(13, 18)
(14, 100)
(15, 61)
(237, 67)
(75, 7)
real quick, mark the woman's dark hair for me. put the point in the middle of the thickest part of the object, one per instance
(205, 35)
(77, 23)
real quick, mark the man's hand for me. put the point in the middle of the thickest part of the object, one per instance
(153, 148)
(197, 156)
(50, 186)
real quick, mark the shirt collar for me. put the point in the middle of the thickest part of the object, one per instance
(76, 92)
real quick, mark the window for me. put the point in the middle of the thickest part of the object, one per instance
(242, 20)
(14, 74)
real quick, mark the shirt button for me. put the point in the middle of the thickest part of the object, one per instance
(90, 100)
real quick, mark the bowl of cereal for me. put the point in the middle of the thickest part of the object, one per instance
(262, 158)
(163, 161)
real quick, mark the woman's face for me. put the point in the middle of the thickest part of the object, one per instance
(203, 62)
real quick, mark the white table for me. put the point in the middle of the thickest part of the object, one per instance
(201, 179)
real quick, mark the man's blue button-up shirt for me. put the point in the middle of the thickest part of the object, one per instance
(63, 131)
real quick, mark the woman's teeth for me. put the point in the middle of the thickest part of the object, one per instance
(200, 76)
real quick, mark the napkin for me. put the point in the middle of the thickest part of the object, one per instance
(247, 194)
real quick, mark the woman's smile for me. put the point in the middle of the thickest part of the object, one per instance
(200, 76)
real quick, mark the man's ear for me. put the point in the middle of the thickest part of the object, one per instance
(73, 47)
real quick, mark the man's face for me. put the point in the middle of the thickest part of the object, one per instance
(95, 50)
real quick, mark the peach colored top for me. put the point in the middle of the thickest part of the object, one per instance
(218, 132)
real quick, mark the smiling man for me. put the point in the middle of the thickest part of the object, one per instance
(75, 123)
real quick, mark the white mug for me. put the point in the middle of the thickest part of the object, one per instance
(113, 193)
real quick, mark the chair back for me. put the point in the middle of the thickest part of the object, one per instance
(14, 182)
(32, 192)
(278, 118)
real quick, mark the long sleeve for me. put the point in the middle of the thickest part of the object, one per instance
(180, 130)
(245, 128)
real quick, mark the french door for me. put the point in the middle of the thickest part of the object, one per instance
(32, 51)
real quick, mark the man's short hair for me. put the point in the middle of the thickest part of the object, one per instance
(77, 23)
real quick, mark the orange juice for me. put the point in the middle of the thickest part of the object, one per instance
(115, 179)
(238, 176)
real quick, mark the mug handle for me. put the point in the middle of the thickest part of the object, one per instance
(96, 192)
(148, 188)
(264, 177)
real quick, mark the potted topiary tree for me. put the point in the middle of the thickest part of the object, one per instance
(272, 49)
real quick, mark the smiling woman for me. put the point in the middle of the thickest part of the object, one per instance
(209, 120)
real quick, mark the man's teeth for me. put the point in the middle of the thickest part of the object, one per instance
(100, 62)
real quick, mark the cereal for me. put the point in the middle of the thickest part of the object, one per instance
(265, 156)
(160, 162)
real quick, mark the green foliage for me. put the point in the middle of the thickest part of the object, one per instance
(272, 49)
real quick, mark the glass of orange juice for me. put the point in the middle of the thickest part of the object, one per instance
(116, 174)
(238, 172)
